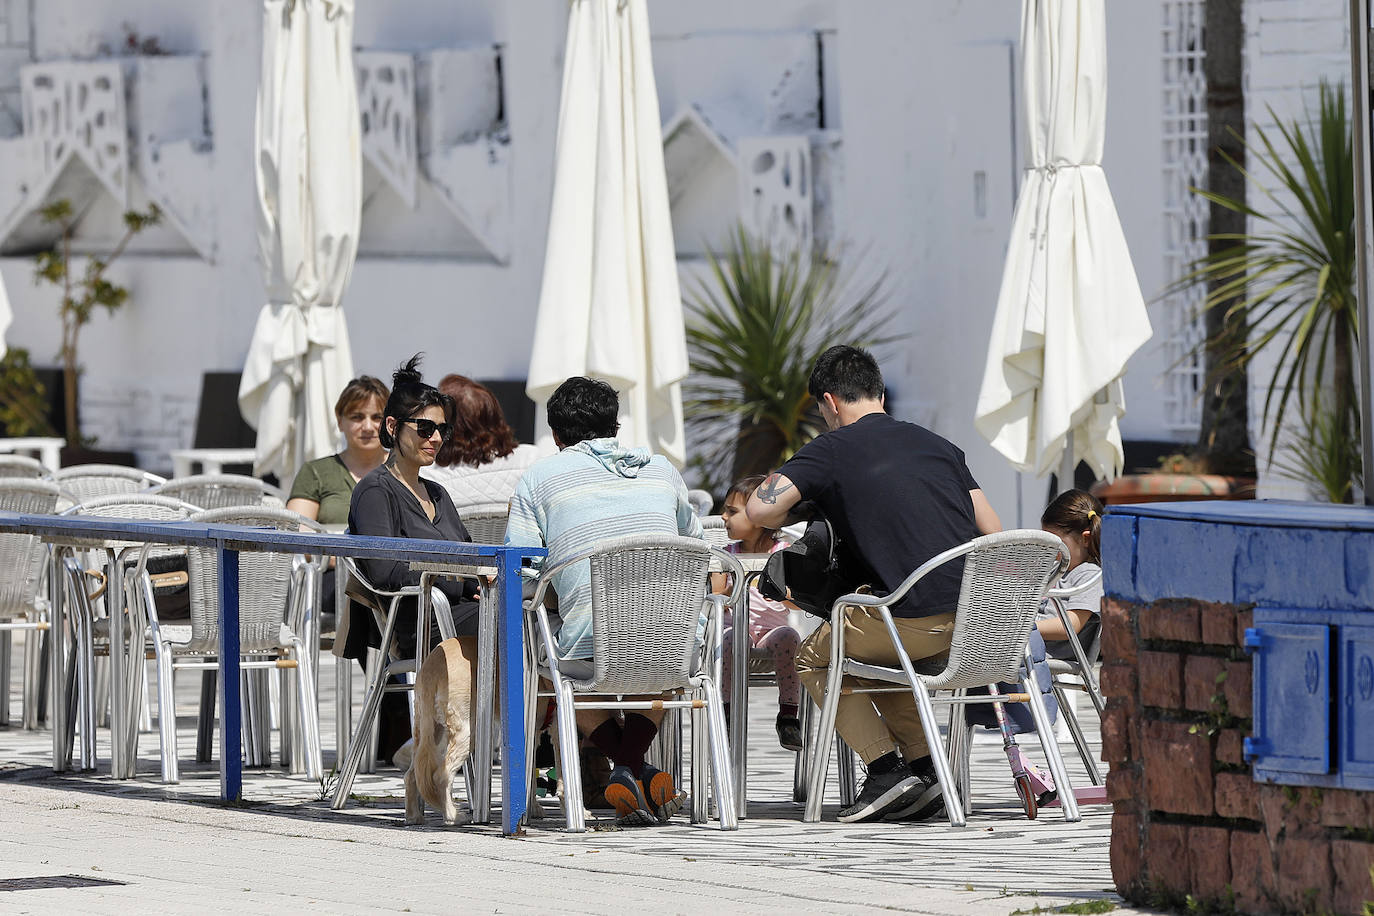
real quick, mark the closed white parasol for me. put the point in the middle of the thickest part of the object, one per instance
(1069, 313)
(609, 305)
(309, 178)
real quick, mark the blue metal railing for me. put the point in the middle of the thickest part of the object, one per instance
(229, 540)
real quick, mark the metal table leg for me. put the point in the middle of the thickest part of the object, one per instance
(739, 704)
(230, 757)
(486, 697)
(511, 665)
(57, 665)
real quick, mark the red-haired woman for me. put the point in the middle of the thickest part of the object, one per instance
(483, 461)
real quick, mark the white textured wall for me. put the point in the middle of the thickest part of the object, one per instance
(1291, 45)
(920, 91)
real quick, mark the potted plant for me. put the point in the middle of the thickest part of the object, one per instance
(755, 325)
(1291, 279)
(81, 294)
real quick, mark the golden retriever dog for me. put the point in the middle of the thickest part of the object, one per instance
(445, 697)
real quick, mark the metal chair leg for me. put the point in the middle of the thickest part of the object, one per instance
(309, 720)
(808, 742)
(1080, 740)
(6, 647)
(167, 717)
(701, 795)
(205, 724)
(568, 763)
(376, 688)
(1067, 800)
(720, 759)
(343, 706)
(825, 733)
(849, 782)
(32, 683)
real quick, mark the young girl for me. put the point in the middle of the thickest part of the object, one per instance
(1076, 516)
(768, 629)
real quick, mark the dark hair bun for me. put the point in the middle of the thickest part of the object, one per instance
(409, 373)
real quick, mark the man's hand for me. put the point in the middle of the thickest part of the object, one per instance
(769, 504)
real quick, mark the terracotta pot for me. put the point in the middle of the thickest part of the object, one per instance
(1160, 487)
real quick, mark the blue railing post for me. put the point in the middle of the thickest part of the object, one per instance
(511, 652)
(231, 715)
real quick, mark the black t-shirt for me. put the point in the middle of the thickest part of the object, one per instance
(897, 495)
(384, 507)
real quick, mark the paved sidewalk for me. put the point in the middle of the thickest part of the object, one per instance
(177, 849)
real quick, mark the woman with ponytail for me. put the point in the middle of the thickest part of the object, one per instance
(1076, 516)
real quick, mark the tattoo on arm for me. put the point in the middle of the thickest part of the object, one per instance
(769, 491)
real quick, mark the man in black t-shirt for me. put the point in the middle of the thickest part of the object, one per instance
(897, 494)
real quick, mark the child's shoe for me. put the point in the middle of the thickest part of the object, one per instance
(789, 733)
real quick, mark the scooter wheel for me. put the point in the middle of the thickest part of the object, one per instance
(1023, 789)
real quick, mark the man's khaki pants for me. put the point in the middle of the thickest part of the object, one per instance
(875, 723)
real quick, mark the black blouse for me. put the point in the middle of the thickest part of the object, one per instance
(382, 506)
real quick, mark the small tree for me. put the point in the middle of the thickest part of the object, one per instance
(81, 295)
(754, 329)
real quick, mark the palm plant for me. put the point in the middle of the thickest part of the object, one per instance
(1292, 277)
(756, 324)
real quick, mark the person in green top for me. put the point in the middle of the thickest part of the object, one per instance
(323, 488)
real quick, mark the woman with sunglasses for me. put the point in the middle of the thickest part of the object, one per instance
(395, 501)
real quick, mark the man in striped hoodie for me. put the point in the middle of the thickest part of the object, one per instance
(593, 489)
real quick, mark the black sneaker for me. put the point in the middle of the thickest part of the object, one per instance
(626, 795)
(789, 733)
(882, 792)
(923, 805)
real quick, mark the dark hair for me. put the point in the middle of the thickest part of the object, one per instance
(1075, 511)
(849, 373)
(583, 408)
(745, 487)
(480, 431)
(358, 391)
(409, 396)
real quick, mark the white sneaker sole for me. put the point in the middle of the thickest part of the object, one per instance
(879, 805)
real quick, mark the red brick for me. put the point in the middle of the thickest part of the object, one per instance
(1125, 853)
(1178, 768)
(1252, 872)
(1290, 811)
(1231, 747)
(1237, 688)
(1245, 619)
(1166, 856)
(1347, 808)
(1171, 619)
(1218, 624)
(1200, 681)
(1161, 679)
(1118, 632)
(1305, 874)
(1237, 796)
(1123, 787)
(1117, 746)
(1118, 680)
(1209, 862)
(1351, 862)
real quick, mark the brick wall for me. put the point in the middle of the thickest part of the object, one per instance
(1188, 820)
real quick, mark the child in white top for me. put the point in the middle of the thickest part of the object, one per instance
(768, 627)
(1076, 516)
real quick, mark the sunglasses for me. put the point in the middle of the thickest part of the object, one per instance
(425, 428)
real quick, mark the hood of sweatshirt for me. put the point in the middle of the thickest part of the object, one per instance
(621, 460)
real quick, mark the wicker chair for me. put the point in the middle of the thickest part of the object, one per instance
(701, 500)
(21, 466)
(1006, 576)
(275, 597)
(1077, 674)
(648, 593)
(713, 530)
(221, 491)
(93, 633)
(486, 524)
(386, 608)
(22, 603)
(88, 481)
